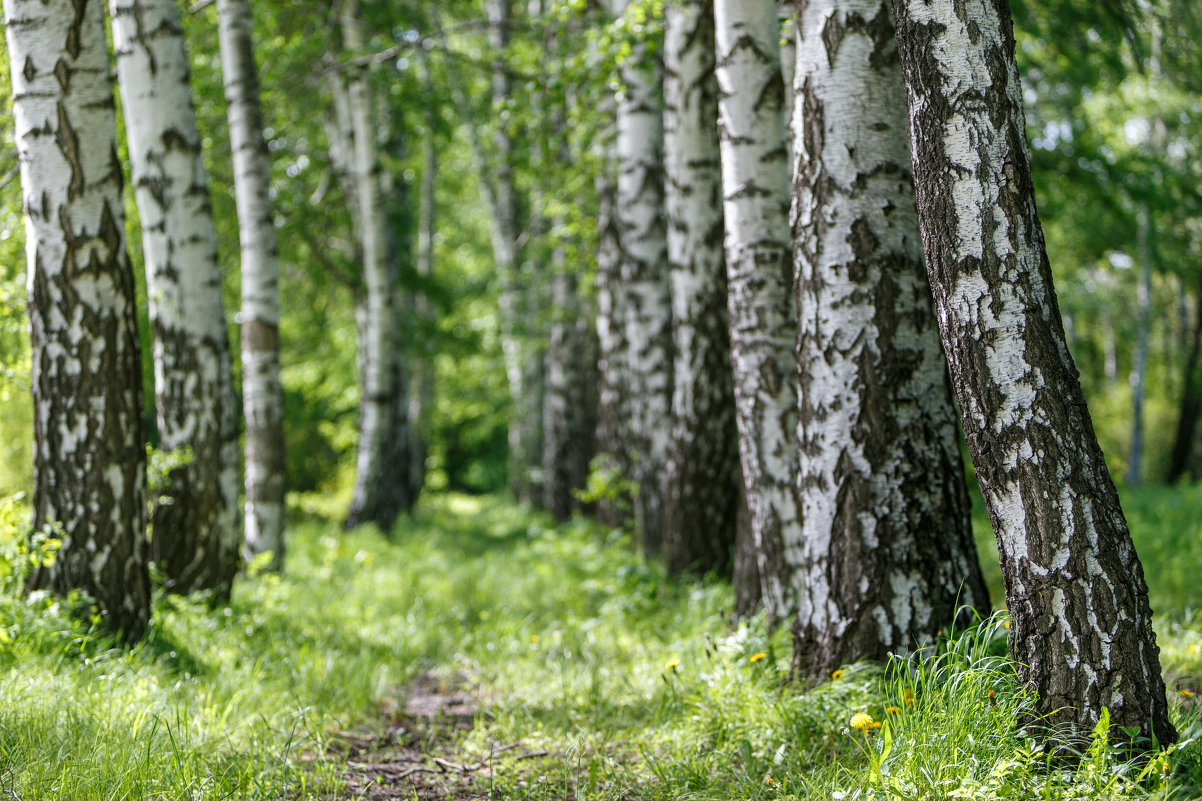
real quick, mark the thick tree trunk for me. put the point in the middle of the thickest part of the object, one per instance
(1139, 365)
(89, 444)
(1081, 630)
(701, 499)
(888, 555)
(377, 497)
(262, 393)
(566, 444)
(749, 594)
(196, 530)
(645, 284)
(760, 275)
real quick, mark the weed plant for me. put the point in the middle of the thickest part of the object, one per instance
(635, 686)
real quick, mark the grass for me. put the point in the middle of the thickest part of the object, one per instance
(636, 686)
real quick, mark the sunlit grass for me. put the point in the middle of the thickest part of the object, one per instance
(636, 686)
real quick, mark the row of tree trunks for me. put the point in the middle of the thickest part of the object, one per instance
(702, 489)
(195, 519)
(89, 443)
(262, 392)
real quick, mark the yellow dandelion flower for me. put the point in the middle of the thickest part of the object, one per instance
(758, 657)
(876, 724)
(908, 696)
(1194, 649)
(989, 694)
(1164, 767)
(892, 710)
(533, 638)
(838, 674)
(672, 664)
(769, 780)
(862, 721)
(1005, 624)
(1186, 693)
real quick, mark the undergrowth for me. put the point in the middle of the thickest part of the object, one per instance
(635, 685)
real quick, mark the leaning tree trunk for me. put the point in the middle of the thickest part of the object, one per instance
(702, 495)
(196, 530)
(262, 392)
(1081, 632)
(888, 556)
(759, 270)
(644, 275)
(89, 446)
(377, 497)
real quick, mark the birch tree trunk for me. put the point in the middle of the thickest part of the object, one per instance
(1139, 366)
(196, 531)
(888, 552)
(89, 444)
(645, 279)
(566, 449)
(1081, 630)
(262, 393)
(421, 395)
(377, 497)
(760, 275)
(701, 500)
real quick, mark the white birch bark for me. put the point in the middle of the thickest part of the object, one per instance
(1081, 631)
(645, 278)
(371, 500)
(701, 499)
(788, 65)
(196, 529)
(755, 178)
(262, 392)
(89, 451)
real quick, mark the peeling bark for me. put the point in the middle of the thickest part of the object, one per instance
(1081, 630)
(89, 444)
(701, 498)
(196, 530)
(888, 556)
(760, 287)
(262, 393)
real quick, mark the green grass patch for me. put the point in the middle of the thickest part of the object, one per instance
(636, 686)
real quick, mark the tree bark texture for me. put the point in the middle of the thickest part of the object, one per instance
(788, 65)
(1191, 402)
(1139, 366)
(196, 530)
(262, 392)
(1081, 630)
(421, 393)
(645, 284)
(763, 319)
(701, 500)
(378, 497)
(888, 552)
(89, 444)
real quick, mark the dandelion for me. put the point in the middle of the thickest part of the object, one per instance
(1005, 624)
(862, 721)
(892, 710)
(757, 657)
(908, 696)
(1194, 649)
(534, 638)
(838, 674)
(769, 780)
(1186, 693)
(1164, 766)
(672, 664)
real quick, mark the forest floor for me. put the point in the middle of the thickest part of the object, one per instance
(482, 652)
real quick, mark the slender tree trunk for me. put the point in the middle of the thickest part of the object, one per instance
(1191, 402)
(888, 556)
(89, 443)
(1139, 367)
(763, 319)
(565, 454)
(262, 393)
(645, 279)
(701, 500)
(1110, 350)
(196, 530)
(377, 497)
(1081, 631)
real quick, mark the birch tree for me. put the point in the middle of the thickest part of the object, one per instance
(645, 282)
(196, 530)
(89, 445)
(702, 460)
(888, 556)
(763, 326)
(378, 495)
(1081, 632)
(262, 392)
